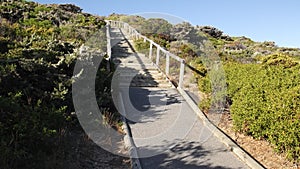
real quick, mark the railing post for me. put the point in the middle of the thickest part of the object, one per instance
(126, 29)
(180, 85)
(108, 45)
(150, 52)
(136, 35)
(129, 32)
(132, 34)
(157, 56)
(167, 64)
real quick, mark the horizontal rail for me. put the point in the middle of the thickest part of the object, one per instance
(242, 154)
(108, 41)
(132, 32)
(147, 39)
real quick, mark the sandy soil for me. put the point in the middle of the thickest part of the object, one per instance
(79, 152)
(261, 150)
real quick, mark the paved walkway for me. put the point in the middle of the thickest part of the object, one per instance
(165, 130)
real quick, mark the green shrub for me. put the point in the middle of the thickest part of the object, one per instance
(140, 45)
(265, 103)
(279, 59)
(36, 68)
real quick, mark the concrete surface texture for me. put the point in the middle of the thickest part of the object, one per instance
(165, 130)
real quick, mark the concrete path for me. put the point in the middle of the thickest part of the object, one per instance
(165, 130)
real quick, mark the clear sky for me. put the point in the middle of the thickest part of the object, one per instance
(260, 20)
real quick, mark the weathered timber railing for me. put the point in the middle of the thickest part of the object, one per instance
(133, 33)
(108, 41)
(108, 47)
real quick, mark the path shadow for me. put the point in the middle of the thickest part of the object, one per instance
(141, 104)
(148, 105)
(145, 105)
(185, 155)
(120, 52)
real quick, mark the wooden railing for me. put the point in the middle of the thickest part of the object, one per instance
(133, 33)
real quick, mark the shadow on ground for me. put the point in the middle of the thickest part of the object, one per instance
(185, 155)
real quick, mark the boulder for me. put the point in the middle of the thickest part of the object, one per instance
(70, 8)
(226, 37)
(212, 31)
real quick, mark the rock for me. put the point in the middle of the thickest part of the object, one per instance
(235, 46)
(70, 7)
(86, 14)
(226, 37)
(212, 31)
(269, 44)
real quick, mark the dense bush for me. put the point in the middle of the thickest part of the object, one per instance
(278, 59)
(140, 45)
(265, 102)
(160, 39)
(263, 85)
(37, 57)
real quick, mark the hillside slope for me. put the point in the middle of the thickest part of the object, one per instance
(262, 79)
(38, 51)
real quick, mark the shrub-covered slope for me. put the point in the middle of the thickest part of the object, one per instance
(262, 79)
(38, 45)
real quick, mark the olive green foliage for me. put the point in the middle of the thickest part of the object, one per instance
(265, 101)
(214, 86)
(279, 59)
(262, 79)
(262, 90)
(148, 26)
(162, 40)
(158, 26)
(37, 58)
(187, 51)
(156, 29)
(140, 45)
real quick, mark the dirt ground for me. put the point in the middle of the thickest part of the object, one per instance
(261, 150)
(79, 152)
(82, 153)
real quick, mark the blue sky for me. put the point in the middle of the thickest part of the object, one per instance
(261, 20)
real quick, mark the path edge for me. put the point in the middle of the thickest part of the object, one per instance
(129, 143)
(225, 139)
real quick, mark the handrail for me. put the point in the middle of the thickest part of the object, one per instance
(242, 154)
(134, 33)
(108, 47)
(108, 37)
(145, 38)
